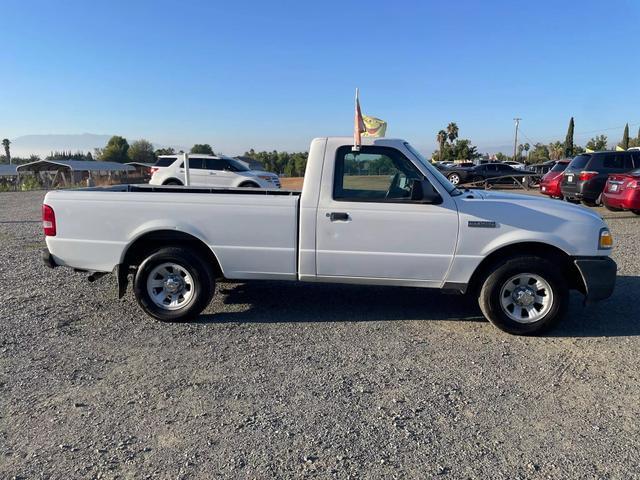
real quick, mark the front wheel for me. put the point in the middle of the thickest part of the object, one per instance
(524, 296)
(173, 285)
(454, 178)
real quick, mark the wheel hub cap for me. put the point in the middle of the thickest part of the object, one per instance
(526, 298)
(170, 286)
(173, 285)
(523, 296)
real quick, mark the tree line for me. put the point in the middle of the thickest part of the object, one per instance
(283, 163)
(451, 148)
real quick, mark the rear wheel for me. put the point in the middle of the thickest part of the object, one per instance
(524, 295)
(593, 203)
(637, 212)
(173, 285)
(172, 182)
(612, 209)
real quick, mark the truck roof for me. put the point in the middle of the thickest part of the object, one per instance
(365, 140)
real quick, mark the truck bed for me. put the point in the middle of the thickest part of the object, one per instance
(252, 232)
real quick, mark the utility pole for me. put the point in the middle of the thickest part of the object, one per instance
(515, 142)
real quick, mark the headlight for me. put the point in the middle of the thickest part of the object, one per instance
(605, 242)
(268, 178)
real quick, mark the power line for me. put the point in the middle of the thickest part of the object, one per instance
(607, 129)
(527, 138)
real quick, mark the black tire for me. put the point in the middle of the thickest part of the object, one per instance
(172, 182)
(489, 298)
(202, 280)
(612, 209)
(249, 185)
(571, 200)
(636, 212)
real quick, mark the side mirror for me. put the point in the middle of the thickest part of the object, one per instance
(423, 191)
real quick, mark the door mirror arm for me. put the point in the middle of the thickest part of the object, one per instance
(423, 192)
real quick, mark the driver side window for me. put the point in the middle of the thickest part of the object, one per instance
(373, 174)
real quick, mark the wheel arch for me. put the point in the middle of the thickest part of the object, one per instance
(544, 250)
(153, 240)
(172, 179)
(248, 183)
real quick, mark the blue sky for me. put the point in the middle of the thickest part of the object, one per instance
(275, 74)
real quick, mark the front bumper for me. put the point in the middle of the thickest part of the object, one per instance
(598, 275)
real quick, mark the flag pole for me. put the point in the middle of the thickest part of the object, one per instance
(356, 123)
(187, 178)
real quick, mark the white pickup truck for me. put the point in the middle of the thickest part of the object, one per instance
(382, 215)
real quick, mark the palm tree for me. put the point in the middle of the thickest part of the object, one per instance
(441, 138)
(5, 144)
(556, 150)
(526, 149)
(452, 131)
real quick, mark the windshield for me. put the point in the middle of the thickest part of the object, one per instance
(449, 187)
(237, 166)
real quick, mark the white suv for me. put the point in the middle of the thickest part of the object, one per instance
(210, 171)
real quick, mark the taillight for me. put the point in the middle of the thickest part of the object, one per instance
(633, 184)
(48, 221)
(584, 176)
(153, 170)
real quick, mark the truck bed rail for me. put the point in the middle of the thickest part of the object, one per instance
(183, 189)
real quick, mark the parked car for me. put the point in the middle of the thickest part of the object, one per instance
(516, 165)
(518, 255)
(622, 192)
(550, 183)
(486, 171)
(585, 177)
(545, 167)
(210, 171)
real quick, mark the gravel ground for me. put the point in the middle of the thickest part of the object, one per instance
(283, 380)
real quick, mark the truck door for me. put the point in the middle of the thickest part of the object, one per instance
(368, 226)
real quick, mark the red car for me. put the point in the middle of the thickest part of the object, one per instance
(550, 183)
(622, 192)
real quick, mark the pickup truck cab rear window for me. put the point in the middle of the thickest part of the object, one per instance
(373, 174)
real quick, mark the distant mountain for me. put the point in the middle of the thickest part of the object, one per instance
(42, 145)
